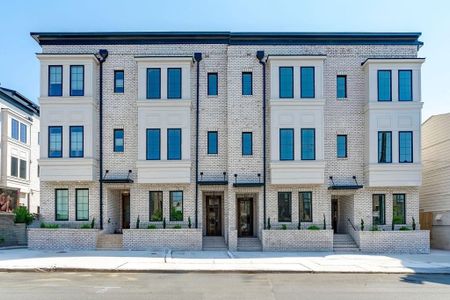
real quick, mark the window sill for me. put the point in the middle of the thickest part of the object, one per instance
(342, 99)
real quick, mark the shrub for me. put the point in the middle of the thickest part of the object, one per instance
(178, 226)
(313, 227)
(375, 228)
(324, 222)
(93, 223)
(362, 225)
(189, 222)
(86, 226)
(49, 226)
(413, 224)
(284, 227)
(164, 223)
(22, 215)
(156, 215)
(138, 222)
(151, 226)
(404, 228)
(2, 240)
(268, 224)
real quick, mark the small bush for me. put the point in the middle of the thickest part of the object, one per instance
(86, 226)
(49, 226)
(2, 240)
(189, 222)
(93, 223)
(313, 227)
(268, 224)
(151, 226)
(404, 228)
(284, 227)
(22, 215)
(178, 226)
(375, 228)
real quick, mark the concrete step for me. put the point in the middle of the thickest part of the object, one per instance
(110, 241)
(214, 243)
(344, 243)
(249, 244)
(346, 249)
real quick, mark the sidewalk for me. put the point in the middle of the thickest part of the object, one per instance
(210, 261)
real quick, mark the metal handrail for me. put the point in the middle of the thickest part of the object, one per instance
(350, 222)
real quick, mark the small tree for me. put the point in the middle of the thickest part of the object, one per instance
(362, 225)
(189, 222)
(138, 221)
(324, 222)
(22, 215)
(413, 223)
(268, 224)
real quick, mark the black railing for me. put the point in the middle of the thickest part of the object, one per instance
(350, 222)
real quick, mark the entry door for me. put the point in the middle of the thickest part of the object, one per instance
(245, 216)
(334, 214)
(125, 211)
(213, 215)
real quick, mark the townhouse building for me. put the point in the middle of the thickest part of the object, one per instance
(235, 135)
(19, 148)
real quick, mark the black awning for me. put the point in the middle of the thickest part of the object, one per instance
(117, 180)
(212, 182)
(248, 184)
(345, 187)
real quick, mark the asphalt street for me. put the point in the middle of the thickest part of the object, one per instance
(259, 286)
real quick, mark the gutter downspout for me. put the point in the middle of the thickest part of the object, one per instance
(198, 58)
(260, 57)
(101, 57)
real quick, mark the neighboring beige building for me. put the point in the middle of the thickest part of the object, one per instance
(435, 191)
(19, 140)
(341, 113)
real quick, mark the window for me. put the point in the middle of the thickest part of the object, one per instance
(247, 83)
(23, 169)
(55, 80)
(156, 206)
(399, 213)
(76, 141)
(212, 84)
(76, 80)
(341, 86)
(119, 143)
(405, 142)
(305, 206)
(153, 144)
(341, 146)
(286, 82)
(174, 144)
(405, 85)
(286, 144)
(23, 133)
(247, 143)
(379, 209)
(212, 142)
(14, 166)
(307, 82)
(82, 204)
(176, 206)
(153, 83)
(384, 85)
(55, 141)
(15, 129)
(173, 83)
(62, 205)
(284, 207)
(308, 140)
(119, 81)
(384, 147)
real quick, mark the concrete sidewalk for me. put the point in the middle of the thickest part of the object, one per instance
(216, 261)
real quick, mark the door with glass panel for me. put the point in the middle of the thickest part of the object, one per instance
(245, 216)
(213, 215)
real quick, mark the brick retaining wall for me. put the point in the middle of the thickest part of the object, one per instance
(412, 242)
(159, 239)
(62, 238)
(297, 240)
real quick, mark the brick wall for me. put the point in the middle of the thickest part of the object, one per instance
(160, 239)
(62, 239)
(412, 242)
(10, 232)
(297, 240)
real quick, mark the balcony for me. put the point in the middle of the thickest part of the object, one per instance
(68, 169)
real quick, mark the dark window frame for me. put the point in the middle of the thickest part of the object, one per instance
(168, 84)
(345, 86)
(251, 83)
(56, 205)
(114, 140)
(82, 141)
(410, 85)
(70, 81)
(216, 134)
(77, 218)
(346, 145)
(24, 169)
(378, 85)
(49, 83)
(287, 219)
(171, 206)
(116, 88)
(378, 148)
(394, 199)
(412, 147)
(62, 142)
(313, 82)
(147, 157)
(251, 143)
(147, 95)
(14, 121)
(382, 209)
(150, 209)
(216, 74)
(181, 143)
(301, 143)
(16, 164)
(279, 83)
(293, 143)
(302, 206)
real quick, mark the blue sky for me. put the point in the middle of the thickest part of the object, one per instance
(19, 66)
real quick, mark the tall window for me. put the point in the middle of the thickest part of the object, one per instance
(307, 89)
(55, 141)
(308, 140)
(379, 209)
(286, 144)
(15, 129)
(405, 85)
(76, 80)
(305, 206)
(286, 78)
(174, 144)
(212, 142)
(176, 206)
(62, 205)
(14, 166)
(284, 207)
(156, 206)
(247, 83)
(247, 143)
(82, 204)
(153, 83)
(405, 142)
(173, 83)
(212, 84)
(55, 81)
(119, 142)
(23, 169)
(384, 146)
(153, 144)
(384, 85)
(119, 81)
(23, 133)
(76, 141)
(399, 206)
(341, 146)
(341, 86)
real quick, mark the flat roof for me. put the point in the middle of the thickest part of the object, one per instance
(230, 38)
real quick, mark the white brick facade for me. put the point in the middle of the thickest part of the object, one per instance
(230, 113)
